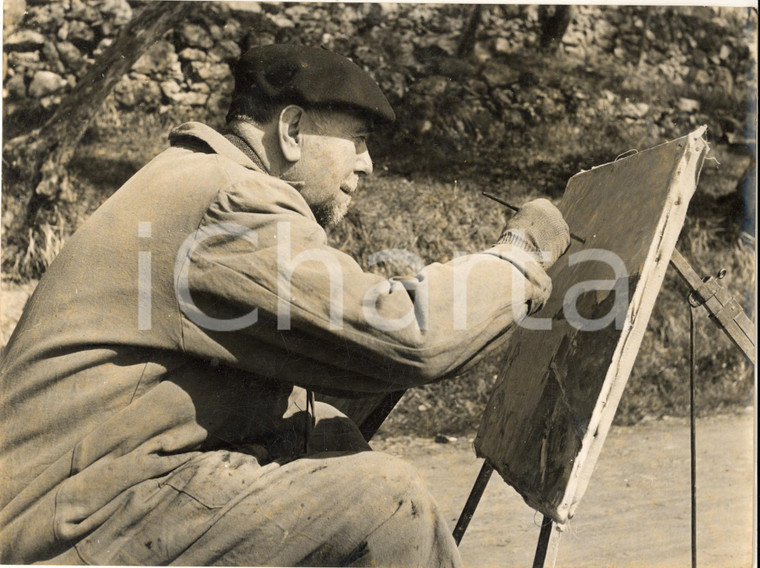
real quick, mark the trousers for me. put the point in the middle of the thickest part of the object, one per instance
(339, 505)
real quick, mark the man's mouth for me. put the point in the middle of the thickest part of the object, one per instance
(348, 187)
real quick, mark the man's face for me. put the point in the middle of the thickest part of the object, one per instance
(333, 155)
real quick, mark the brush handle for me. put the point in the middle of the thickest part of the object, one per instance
(497, 200)
(516, 209)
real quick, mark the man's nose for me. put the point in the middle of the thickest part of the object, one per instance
(364, 163)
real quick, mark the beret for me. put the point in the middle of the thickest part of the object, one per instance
(309, 76)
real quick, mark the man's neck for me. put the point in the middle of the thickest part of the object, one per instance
(259, 142)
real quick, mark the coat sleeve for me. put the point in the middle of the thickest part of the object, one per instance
(261, 290)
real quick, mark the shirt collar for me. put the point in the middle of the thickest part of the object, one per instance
(200, 133)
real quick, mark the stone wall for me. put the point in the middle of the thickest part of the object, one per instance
(410, 49)
(53, 45)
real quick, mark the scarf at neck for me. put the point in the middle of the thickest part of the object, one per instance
(246, 149)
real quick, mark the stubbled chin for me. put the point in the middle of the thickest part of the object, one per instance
(330, 213)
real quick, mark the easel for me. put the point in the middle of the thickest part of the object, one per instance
(728, 315)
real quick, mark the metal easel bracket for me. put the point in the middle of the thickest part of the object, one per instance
(724, 310)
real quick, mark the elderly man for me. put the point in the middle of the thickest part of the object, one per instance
(158, 391)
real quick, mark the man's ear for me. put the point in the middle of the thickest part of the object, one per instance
(289, 132)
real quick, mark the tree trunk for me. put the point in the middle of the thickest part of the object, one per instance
(644, 43)
(467, 41)
(553, 21)
(37, 161)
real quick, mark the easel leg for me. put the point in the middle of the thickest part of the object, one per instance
(472, 501)
(693, 434)
(543, 542)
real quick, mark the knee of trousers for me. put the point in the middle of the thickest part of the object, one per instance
(334, 431)
(406, 526)
(395, 483)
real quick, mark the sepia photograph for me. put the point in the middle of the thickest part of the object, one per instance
(378, 284)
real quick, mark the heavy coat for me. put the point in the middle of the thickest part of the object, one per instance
(128, 361)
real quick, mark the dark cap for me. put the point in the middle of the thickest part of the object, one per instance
(311, 77)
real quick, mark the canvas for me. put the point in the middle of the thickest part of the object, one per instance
(560, 385)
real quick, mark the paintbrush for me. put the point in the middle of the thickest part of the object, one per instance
(516, 209)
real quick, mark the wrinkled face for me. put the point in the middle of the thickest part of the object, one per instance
(333, 156)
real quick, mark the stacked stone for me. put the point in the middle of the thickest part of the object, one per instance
(411, 49)
(699, 49)
(54, 44)
(189, 68)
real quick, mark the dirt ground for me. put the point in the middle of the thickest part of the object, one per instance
(636, 512)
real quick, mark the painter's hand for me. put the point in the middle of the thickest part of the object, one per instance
(539, 229)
